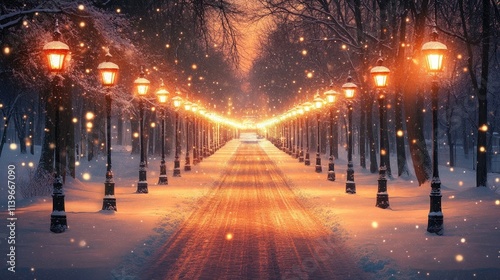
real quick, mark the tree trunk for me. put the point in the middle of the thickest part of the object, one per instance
(403, 170)
(46, 162)
(119, 128)
(482, 151)
(414, 102)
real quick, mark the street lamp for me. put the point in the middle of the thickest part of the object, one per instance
(331, 96)
(300, 109)
(307, 108)
(201, 125)
(187, 107)
(108, 72)
(318, 103)
(162, 94)
(142, 86)
(177, 102)
(196, 124)
(349, 89)
(57, 53)
(380, 74)
(434, 52)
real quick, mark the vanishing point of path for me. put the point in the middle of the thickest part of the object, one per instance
(251, 226)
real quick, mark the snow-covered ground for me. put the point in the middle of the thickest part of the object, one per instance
(389, 244)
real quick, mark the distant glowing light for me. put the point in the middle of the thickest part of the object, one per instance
(86, 176)
(460, 183)
(30, 164)
(382, 152)
(304, 52)
(301, 39)
(13, 146)
(118, 10)
(6, 50)
(484, 128)
(374, 224)
(194, 66)
(77, 163)
(229, 236)
(153, 125)
(309, 75)
(400, 133)
(82, 23)
(82, 243)
(482, 149)
(462, 240)
(136, 134)
(90, 125)
(75, 120)
(89, 115)
(459, 258)
(25, 23)
(81, 7)
(344, 46)
(452, 169)
(167, 46)
(497, 180)
(497, 202)
(459, 56)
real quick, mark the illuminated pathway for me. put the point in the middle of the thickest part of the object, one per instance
(251, 226)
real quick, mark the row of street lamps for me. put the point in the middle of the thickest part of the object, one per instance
(57, 55)
(433, 52)
(57, 52)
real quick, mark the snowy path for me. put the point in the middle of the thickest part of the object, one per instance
(251, 226)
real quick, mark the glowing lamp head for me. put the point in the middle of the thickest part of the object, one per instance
(194, 107)
(162, 93)
(187, 106)
(380, 74)
(56, 52)
(318, 102)
(434, 52)
(108, 71)
(331, 95)
(300, 109)
(307, 106)
(349, 88)
(141, 84)
(176, 101)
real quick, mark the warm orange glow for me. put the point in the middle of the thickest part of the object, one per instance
(142, 86)
(162, 93)
(176, 101)
(56, 53)
(109, 73)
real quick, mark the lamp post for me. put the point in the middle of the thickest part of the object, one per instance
(380, 74)
(162, 94)
(349, 89)
(307, 108)
(194, 109)
(142, 86)
(56, 53)
(434, 53)
(108, 72)
(177, 101)
(187, 165)
(201, 122)
(318, 103)
(300, 109)
(331, 96)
